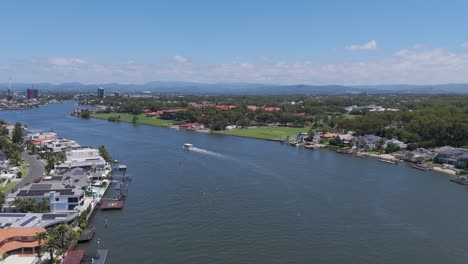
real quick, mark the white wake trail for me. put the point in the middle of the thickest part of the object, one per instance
(208, 152)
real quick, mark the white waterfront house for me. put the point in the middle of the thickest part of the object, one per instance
(61, 144)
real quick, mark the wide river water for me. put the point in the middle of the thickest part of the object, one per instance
(238, 200)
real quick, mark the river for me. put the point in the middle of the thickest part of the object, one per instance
(239, 200)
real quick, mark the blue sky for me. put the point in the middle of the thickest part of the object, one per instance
(342, 42)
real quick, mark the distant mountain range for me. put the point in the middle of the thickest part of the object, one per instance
(244, 88)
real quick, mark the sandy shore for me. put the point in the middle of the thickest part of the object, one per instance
(446, 171)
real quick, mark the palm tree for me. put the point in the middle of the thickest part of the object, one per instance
(64, 236)
(40, 237)
(50, 245)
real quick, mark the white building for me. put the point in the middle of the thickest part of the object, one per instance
(397, 142)
(86, 158)
(61, 144)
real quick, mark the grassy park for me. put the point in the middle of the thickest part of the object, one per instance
(269, 133)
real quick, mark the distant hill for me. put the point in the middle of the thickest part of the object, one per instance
(245, 88)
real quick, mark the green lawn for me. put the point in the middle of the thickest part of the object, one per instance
(350, 116)
(8, 186)
(24, 169)
(142, 119)
(270, 133)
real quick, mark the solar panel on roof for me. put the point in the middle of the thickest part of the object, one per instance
(53, 216)
(78, 172)
(39, 186)
(28, 221)
(12, 215)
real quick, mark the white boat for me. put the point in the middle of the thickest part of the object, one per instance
(188, 146)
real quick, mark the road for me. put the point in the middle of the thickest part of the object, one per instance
(36, 170)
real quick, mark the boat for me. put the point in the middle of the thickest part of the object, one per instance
(188, 146)
(388, 161)
(422, 167)
(462, 180)
(294, 143)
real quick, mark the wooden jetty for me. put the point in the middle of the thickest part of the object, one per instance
(87, 235)
(119, 186)
(101, 256)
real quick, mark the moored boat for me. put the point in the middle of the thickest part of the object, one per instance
(388, 161)
(422, 167)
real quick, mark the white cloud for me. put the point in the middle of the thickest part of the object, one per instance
(411, 66)
(464, 45)
(371, 45)
(61, 61)
(180, 59)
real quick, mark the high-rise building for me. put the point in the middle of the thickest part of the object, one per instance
(100, 92)
(32, 93)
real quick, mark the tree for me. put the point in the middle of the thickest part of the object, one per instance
(50, 245)
(85, 114)
(18, 134)
(63, 235)
(23, 205)
(391, 148)
(104, 153)
(40, 237)
(134, 119)
(411, 146)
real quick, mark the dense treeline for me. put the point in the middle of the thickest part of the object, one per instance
(437, 121)
(217, 119)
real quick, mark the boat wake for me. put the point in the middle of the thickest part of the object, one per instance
(207, 152)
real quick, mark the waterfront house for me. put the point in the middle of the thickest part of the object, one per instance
(272, 109)
(302, 136)
(9, 128)
(457, 157)
(38, 137)
(394, 141)
(225, 107)
(19, 240)
(367, 142)
(169, 114)
(329, 135)
(61, 144)
(87, 158)
(346, 138)
(64, 191)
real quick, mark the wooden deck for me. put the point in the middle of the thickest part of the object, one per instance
(113, 204)
(74, 257)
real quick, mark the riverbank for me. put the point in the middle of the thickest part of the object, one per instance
(129, 118)
(262, 133)
(267, 133)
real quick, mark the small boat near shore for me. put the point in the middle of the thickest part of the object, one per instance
(188, 146)
(388, 161)
(462, 180)
(422, 167)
